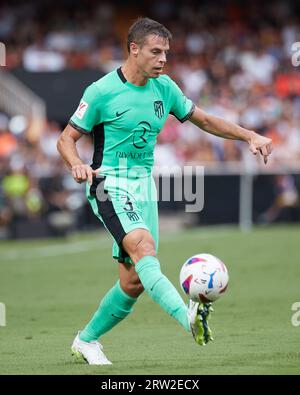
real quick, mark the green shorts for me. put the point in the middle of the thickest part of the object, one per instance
(123, 205)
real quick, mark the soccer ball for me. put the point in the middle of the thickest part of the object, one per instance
(204, 278)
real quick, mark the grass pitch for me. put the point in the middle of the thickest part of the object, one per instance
(51, 288)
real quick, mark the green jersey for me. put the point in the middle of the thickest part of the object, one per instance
(125, 120)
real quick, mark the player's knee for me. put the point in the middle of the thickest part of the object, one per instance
(132, 288)
(141, 246)
(144, 248)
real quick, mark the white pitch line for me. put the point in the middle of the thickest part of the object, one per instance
(93, 245)
(54, 250)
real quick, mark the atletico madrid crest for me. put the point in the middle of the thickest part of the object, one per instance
(159, 108)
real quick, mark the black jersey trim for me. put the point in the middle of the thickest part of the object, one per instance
(121, 75)
(78, 128)
(123, 256)
(188, 115)
(98, 138)
(108, 214)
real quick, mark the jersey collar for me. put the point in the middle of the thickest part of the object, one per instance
(121, 75)
(129, 84)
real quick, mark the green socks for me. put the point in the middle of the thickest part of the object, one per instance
(161, 290)
(116, 304)
(114, 307)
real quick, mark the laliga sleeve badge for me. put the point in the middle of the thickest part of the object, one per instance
(81, 109)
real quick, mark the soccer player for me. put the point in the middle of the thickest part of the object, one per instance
(124, 111)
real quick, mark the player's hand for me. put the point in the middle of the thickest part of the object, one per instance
(82, 173)
(260, 144)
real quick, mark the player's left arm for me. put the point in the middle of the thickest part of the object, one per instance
(228, 130)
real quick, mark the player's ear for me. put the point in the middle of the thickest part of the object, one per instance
(134, 49)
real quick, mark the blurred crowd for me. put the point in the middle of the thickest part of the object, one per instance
(36, 186)
(232, 58)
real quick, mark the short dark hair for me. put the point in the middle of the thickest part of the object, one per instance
(142, 27)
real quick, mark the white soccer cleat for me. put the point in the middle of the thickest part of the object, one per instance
(192, 312)
(90, 352)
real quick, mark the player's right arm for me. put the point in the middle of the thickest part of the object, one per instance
(83, 121)
(66, 146)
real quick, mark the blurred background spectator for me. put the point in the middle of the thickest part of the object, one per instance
(286, 200)
(232, 58)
